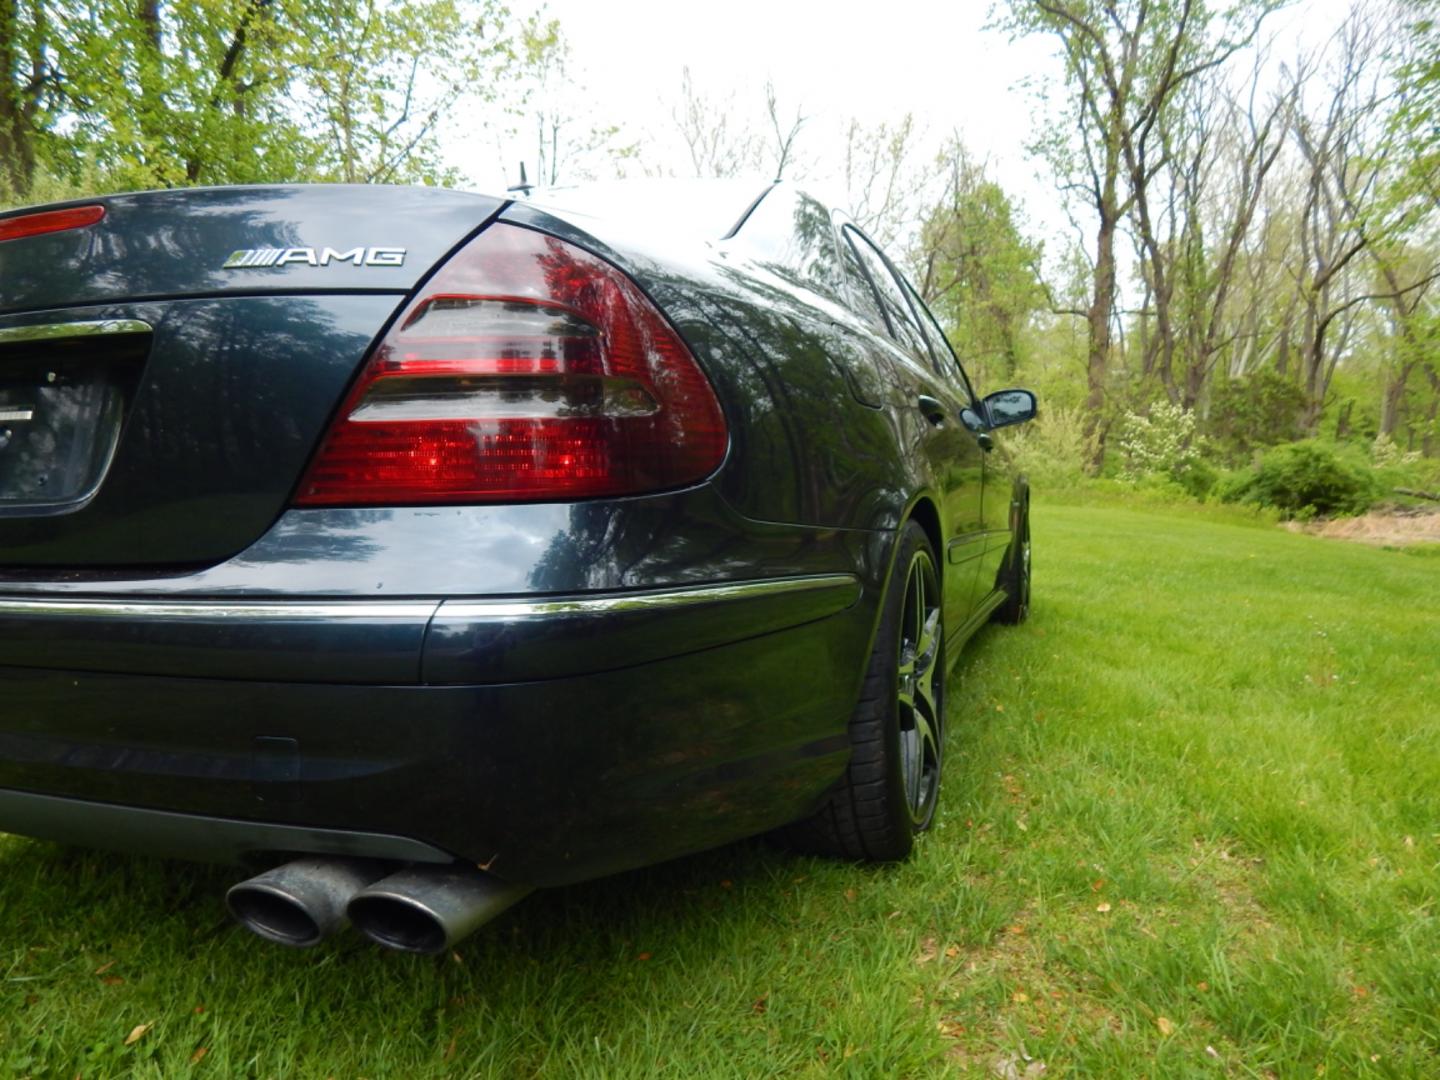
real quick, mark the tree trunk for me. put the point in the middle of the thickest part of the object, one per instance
(1411, 347)
(1098, 320)
(1312, 364)
(1428, 440)
(152, 119)
(17, 145)
(1195, 378)
(1342, 422)
(1393, 399)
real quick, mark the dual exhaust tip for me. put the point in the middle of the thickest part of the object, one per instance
(422, 909)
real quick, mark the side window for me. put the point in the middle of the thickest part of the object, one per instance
(938, 356)
(893, 304)
(949, 363)
(866, 300)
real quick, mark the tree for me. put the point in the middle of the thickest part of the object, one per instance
(1415, 122)
(1405, 255)
(976, 271)
(146, 94)
(721, 143)
(1125, 61)
(572, 140)
(1220, 146)
(381, 81)
(885, 177)
(27, 90)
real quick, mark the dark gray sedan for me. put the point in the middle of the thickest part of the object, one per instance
(428, 547)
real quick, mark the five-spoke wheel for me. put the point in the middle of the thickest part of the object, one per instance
(920, 686)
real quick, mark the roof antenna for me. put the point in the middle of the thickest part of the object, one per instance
(524, 187)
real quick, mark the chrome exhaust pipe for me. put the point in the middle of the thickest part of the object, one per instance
(427, 909)
(298, 904)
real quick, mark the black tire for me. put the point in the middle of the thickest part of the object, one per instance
(892, 785)
(1016, 608)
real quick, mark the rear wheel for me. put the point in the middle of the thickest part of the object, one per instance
(892, 785)
(1016, 608)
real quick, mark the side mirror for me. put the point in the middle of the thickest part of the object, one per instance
(1006, 407)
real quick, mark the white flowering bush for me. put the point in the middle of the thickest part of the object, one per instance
(1160, 444)
(1385, 454)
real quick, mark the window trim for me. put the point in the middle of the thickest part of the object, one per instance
(896, 337)
(921, 306)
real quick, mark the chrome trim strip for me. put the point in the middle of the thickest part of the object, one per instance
(219, 610)
(60, 331)
(650, 600)
(311, 611)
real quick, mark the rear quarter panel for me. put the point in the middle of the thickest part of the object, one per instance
(791, 370)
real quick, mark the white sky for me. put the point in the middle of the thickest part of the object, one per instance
(873, 61)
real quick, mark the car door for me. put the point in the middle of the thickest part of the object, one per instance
(949, 449)
(998, 487)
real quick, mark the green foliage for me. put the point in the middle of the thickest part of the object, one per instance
(45, 188)
(1052, 449)
(978, 273)
(143, 95)
(1052, 352)
(1394, 468)
(1199, 479)
(1305, 479)
(1261, 409)
(1416, 118)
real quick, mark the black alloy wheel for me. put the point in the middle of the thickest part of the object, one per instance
(891, 786)
(920, 689)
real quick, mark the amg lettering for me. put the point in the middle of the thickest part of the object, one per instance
(355, 255)
(297, 255)
(261, 258)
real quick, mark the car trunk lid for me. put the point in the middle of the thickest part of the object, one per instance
(166, 372)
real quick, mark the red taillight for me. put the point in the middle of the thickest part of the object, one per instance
(527, 369)
(48, 221)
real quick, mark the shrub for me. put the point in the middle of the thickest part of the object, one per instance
(1199, 480)
(1052, 449)
(1160, 444)
(1261, 409)
(1305, 479)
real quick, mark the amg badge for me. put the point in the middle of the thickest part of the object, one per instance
(260, 258)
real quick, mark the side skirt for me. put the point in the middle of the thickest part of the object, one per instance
(955, 642)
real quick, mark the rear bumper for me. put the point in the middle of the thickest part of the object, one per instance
(555, 739)
(400, 641)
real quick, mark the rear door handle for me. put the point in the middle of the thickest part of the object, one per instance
(932, 409)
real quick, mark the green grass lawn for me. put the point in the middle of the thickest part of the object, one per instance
(1191, 826)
